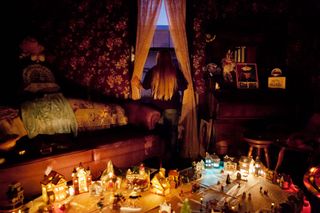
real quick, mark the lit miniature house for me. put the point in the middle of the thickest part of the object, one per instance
(229, 164)
(81, 179)
(159, 184)
(173, 178)
(244, 165)
(96, 188)
(215, 161)
(109, 180)
(54, 187)
(198, 168)
(138, 180)
(15, 195)
(165, 208)
(208, 161)
(258, 168)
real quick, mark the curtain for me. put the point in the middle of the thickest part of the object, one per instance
(176, 13)
(148, 13)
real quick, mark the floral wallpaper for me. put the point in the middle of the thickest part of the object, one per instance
(207, 13)
(94, 50)
(203, 13)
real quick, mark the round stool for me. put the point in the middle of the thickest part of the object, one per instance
(258, 143)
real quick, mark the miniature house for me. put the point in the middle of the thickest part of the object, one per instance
(109, 180)
(159, 183)
(138, 180)
(229, 164)
(81, 179)
(54, 187)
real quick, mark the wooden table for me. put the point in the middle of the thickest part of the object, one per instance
(209, 191)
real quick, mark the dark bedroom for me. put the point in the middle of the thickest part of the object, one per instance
(160, 106)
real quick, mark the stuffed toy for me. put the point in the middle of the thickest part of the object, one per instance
(30, 47)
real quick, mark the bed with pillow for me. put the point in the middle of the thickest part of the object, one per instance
(48, 112)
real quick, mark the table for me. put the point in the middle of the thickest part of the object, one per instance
(210, 192)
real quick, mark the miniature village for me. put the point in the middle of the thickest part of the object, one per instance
(210, 185)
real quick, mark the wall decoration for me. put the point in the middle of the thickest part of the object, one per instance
(247, 76)
(276, 80)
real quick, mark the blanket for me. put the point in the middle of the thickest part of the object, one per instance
(50, 114)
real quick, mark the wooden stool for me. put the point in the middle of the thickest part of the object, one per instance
(259, 144)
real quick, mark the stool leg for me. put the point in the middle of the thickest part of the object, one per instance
(266, 154)
(259, 152)
(250, 151)
(280, 158)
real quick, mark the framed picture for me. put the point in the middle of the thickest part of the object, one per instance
(247, 76)
(277, 82)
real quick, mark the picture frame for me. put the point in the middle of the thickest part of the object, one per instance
(247, 76)
(277, 82)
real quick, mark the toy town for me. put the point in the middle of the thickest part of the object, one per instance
(210, 185)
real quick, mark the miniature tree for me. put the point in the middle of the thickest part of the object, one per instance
(185, 207)
(228, 181)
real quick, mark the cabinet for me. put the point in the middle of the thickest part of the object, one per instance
(233, 110)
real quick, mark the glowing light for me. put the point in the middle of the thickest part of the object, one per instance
(313, 169)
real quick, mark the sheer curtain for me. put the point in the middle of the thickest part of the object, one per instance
(148, 13)
(176, 12)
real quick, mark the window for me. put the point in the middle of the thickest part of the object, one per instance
(161, 39)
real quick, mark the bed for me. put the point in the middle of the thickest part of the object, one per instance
(49, 112)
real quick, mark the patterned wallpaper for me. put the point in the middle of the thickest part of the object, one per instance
(94, 50)
(91, 39)
(207, 13)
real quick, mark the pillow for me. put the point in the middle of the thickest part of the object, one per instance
(142, 115)
(10, 122)
(38, 78)
(95, 116)
(42, 87)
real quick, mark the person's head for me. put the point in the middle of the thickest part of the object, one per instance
(164, 80)
(163, 58)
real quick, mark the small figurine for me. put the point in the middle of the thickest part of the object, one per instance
(100, 204)
(228, 66)
(238, 176)
(244, 195)
(195, 187)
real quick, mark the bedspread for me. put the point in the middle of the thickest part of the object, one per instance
(48, 115)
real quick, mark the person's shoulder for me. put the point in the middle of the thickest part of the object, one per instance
(182, 81)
